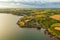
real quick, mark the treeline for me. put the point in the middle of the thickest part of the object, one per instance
(19, 11)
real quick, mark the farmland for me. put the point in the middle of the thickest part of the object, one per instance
(37, 18)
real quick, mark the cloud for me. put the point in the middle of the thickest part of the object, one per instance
(30, 3)
(53, 0)
(33, 0)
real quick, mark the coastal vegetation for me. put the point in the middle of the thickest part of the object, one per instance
(42, 19)
(55, 28)
(37, 18)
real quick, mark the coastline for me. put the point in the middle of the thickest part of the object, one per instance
(51, 35)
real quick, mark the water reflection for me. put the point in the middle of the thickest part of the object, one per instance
(9, 30)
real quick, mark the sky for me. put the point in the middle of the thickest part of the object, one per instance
(30, 3)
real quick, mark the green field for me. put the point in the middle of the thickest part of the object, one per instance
(41, 18)
(54, 31)
(33, 18)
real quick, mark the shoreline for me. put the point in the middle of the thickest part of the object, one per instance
(51, 35)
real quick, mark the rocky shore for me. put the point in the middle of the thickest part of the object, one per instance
(52, 36)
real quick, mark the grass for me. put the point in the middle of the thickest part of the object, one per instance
(54, 31)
